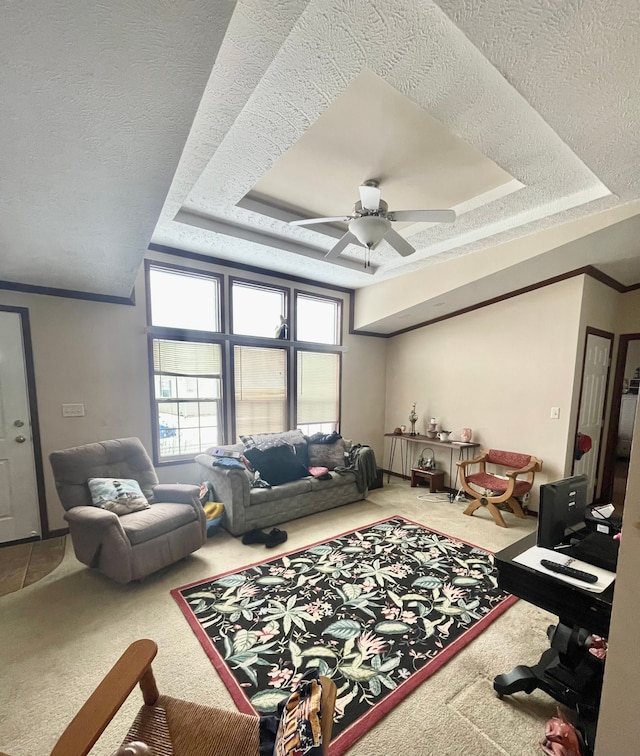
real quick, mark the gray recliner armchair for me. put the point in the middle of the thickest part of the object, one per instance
(130, 546)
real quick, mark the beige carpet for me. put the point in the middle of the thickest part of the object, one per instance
(60, 635)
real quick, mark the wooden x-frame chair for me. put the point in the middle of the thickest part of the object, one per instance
(515, 480)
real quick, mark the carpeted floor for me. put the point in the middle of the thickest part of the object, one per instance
(59, 636)
(23, 564)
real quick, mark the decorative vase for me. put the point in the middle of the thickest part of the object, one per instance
(466, 435)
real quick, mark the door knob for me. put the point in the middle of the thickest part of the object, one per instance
(19, 423)
(20, 439)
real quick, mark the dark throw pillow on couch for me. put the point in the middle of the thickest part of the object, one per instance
(276, 465)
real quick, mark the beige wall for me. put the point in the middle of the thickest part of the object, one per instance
(96, 354)
(628, 313)
(92, 353)
(497, 370)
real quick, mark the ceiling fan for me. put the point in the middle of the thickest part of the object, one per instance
(370, 222)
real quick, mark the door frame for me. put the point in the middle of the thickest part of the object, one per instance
(600, 472)
(27, 346)
(614, 417)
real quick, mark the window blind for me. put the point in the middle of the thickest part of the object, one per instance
(318, 380)
(186, 358)
(260, 386)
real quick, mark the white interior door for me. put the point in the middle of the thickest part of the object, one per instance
(592, 405)
(19, 511)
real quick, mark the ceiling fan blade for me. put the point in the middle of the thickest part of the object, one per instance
(426, 216)
(369, 197)
(400, 244)
(342, 244)
(310, 221)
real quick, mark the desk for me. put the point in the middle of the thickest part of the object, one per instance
(405, 441)
(566, 670)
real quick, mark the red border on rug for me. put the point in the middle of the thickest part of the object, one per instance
(355, 731)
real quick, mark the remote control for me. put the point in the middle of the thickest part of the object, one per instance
(563, 569)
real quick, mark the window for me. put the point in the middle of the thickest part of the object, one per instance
(257, 310)
(276, 366)
(180, 299)
(317, 319)
(318, 391)
(188, 395)
(260, 379)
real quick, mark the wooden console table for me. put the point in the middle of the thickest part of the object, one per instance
(404, 441)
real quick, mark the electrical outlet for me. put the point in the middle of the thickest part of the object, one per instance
(73, 410)
(555, 413)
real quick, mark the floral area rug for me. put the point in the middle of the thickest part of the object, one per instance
(378, 609)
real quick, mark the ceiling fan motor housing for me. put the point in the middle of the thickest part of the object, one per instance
(360, 211)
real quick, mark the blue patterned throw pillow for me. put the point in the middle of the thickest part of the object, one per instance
(119, 495)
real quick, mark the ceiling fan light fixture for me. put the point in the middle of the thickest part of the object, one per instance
(369, 229)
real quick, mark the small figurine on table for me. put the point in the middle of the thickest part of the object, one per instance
(413, 417)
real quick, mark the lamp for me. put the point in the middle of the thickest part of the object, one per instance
(369, 229)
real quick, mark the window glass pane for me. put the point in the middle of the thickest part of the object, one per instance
(317, 320)
(318, 389)
(184, 300)
(260, 390)
(257, 310)
(186, 373)
(208, 388)
(310, 428)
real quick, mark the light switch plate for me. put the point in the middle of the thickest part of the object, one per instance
(73, 410)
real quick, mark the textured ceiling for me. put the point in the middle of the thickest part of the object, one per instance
(106, 100)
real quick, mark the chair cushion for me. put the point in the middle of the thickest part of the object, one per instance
(154, 522)
(493, 483)
(512, 460)
(119, 495)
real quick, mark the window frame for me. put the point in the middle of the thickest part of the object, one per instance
(165, 334)
(258, 285)
(315, 349)
(228, 340)
(279, 344)
(309, 295)
(188, 271)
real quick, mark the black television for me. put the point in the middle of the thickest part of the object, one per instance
(563, 505)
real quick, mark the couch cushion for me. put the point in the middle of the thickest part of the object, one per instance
(232, 449)
(335, 480)
(156, 521)
(327, 455)
(264, 495)
(276, 465)
(266, 440)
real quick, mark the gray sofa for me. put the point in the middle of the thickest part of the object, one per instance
(248, 507)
